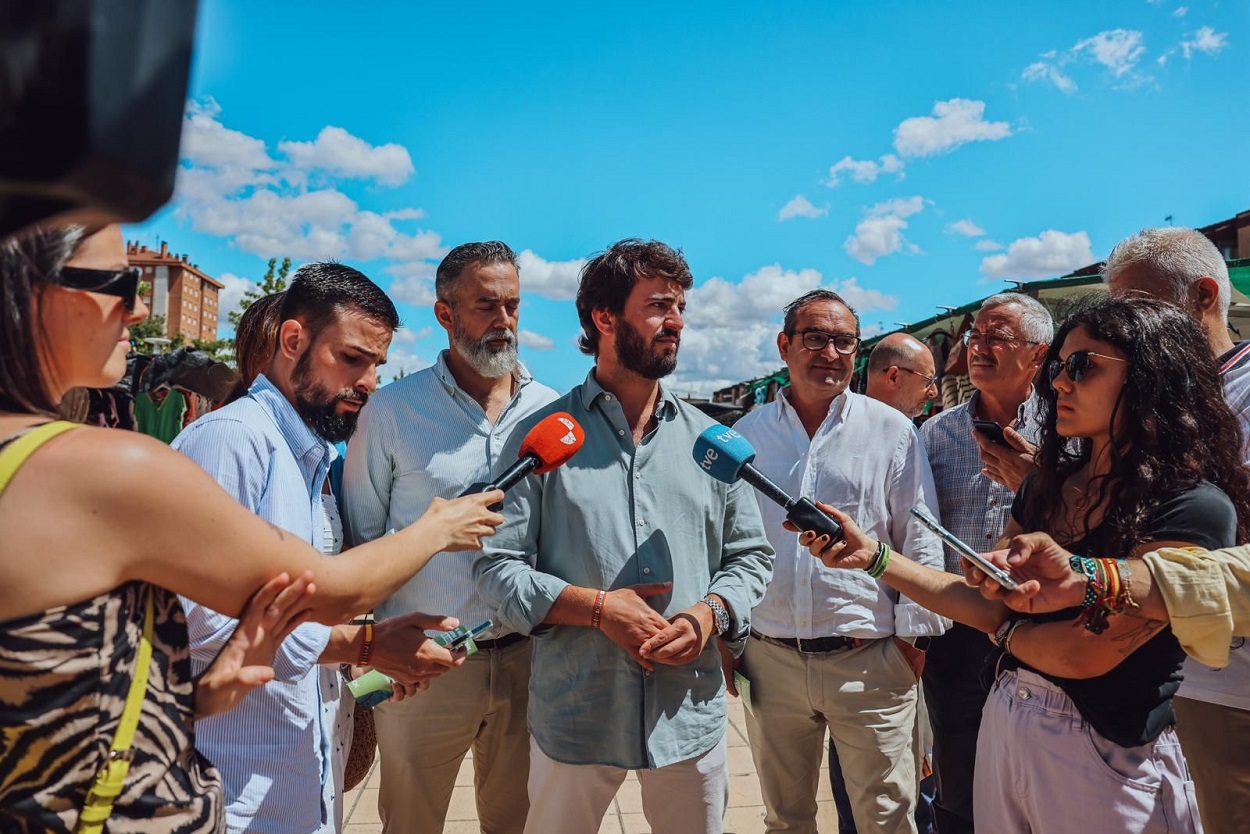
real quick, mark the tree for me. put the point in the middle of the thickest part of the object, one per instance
(153, 327)
(274, 281)
(220, 349)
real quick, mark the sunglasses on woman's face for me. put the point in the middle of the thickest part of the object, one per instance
(1077, 365)
(123, 283)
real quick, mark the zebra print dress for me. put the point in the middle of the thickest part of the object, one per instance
(64, 675)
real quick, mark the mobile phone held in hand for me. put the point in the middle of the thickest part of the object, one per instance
(462, 637)
(370, 689)
(991, 430)
(987, 567)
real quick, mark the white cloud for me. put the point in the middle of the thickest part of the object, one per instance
(953, 123)
(551, 279)
(341, 154)
(229, 297)
(1207, 41)
(966, 228)
(864, 170)
(880, 233)
(800, 206)
(1118, 50)
(988, 246)
(1048, 72)
(537, 341)
(731, 328)
(1049, 254)
(229, 186)
(1181, 11)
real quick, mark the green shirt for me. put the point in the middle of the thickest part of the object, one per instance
(619, 515)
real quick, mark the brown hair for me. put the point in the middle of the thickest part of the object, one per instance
(255, 339)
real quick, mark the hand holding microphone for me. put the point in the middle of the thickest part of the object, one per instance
(726, 455)
(550, 444)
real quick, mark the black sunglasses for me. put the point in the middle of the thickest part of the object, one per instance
(1077, 365)
(123, 283)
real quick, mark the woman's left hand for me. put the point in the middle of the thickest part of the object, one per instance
(271, 614)
(856, 549)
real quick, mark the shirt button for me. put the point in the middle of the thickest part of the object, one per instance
(642, 522)
(647, 571)
(637, 476)
(620, 432)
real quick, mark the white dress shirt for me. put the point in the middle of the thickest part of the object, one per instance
(418, 438)
(867, 460)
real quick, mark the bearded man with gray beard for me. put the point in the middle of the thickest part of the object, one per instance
(430, 434)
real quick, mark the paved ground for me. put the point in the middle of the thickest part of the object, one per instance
(745, 816)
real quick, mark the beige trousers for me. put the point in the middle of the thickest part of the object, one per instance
(1216, 742)
(423, 740)
(866, 698)
(684, 798)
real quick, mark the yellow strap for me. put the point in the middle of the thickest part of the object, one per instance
(19, 450)
(112, 777)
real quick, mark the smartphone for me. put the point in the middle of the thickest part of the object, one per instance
(461, 637)
(988, 568)
(991, 430)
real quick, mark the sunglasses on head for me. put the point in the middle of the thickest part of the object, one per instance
(123, 283)
(1076, 365)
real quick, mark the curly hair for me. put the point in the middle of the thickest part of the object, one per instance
(1177, 429)
(608, 278)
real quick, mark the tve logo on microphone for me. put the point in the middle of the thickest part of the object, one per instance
(570, 438)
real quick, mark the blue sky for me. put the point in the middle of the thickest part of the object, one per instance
(909, 154)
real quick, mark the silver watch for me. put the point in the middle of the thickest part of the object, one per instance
(720, 616)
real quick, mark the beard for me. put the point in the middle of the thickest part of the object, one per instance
(318, 406)
(638, 355)
(489, 362)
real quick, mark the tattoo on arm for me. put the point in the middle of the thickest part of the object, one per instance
(1133, 639)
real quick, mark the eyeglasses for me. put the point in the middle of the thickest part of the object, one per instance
(928, 380)
(815, 341)
(123, 283)
(994, 339)
(1077, 365)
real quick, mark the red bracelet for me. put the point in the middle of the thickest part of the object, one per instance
(597, 611)
(366, 648)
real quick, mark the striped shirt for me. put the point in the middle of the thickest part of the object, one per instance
(973, 507)
(275, 750)
(418, 438)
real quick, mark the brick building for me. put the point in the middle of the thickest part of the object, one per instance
(185, 296)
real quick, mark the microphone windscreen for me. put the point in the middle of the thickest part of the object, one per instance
(721, 452)
(554, 440)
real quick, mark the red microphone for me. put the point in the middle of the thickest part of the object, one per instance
(550, 444)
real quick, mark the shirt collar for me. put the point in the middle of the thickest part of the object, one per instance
(310, 449)
(521, 374)
(591, 391)
(837, 407)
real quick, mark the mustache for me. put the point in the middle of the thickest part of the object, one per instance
(352, 397)
(502, 334)
(668, 333)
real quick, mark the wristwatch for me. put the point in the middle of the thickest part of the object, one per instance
(720, 616)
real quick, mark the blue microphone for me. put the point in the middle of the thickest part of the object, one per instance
(726, 455)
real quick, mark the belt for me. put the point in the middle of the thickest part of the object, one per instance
(502, 643)
(813, 645)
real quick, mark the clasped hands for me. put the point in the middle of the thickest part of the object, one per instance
(629, 622)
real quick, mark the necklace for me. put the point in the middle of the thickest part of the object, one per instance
(1082, 500)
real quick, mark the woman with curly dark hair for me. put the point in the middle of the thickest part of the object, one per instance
(1138, 451)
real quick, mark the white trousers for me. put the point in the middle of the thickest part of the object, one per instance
(684, 798)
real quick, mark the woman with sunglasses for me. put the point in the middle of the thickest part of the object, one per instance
(103, 528)
(1137, 451)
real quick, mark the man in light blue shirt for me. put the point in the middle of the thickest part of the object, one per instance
(430, 434)
(281, 753)
(622, 564)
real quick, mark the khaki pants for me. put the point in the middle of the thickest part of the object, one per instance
(423, 740)
(1216, 743)
(684, 798)
(866, 697)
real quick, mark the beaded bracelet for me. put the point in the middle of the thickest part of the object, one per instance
(1107, 591)
(877, 567)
